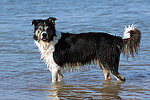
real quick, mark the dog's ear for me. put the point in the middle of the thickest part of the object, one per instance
(34, 22)
(52, 19)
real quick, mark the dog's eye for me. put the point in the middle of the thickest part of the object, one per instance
(40, 28)
(48, 28)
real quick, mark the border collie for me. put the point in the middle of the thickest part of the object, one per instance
(60, 49)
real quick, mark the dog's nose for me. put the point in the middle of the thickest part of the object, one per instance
(44, 34)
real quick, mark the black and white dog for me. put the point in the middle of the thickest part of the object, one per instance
(66, 50)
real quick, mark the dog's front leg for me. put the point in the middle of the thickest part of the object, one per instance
(60, 76)
(55, 73)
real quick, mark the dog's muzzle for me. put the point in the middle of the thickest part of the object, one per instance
(44, 36)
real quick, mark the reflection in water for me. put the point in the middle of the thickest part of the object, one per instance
(106, 90)
(54, 93)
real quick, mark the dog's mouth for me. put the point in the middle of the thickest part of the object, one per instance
(44, 39)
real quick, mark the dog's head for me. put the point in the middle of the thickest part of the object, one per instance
(44, 30)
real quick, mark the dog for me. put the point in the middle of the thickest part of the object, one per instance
(59, 49)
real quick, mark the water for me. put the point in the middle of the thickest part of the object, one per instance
(24, 76)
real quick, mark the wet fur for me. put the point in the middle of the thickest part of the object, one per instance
(60, 49)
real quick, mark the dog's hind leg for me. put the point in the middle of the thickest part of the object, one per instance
(118, 76)
(105, 72)
(114, 71)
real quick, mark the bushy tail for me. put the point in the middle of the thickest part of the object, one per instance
(131, 40)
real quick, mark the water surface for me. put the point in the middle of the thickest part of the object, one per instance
(24, 76)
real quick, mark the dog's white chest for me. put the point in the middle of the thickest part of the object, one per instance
(47, 50)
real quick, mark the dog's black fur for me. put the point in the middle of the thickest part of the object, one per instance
(80, 49)
(85, 47)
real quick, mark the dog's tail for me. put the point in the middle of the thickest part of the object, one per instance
(131, 40)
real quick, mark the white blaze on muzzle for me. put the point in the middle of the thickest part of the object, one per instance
(44, 35)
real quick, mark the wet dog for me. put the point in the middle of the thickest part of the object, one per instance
(60, 49)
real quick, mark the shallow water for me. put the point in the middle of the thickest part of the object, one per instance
(24, 76)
